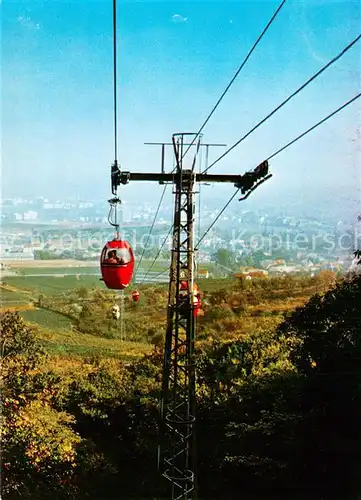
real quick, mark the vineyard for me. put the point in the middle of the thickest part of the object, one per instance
(260, 356)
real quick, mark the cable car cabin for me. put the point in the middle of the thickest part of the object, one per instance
(195, 297)
(117, 264)
(135, 296)
(196, 300)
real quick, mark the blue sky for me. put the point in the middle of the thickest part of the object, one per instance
(174, 60)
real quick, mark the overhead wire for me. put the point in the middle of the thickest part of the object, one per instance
(115, 81)
(215, 220)
(347, 103)
(199, 194)
(219, 101)
(303, 86)
(116, 129)
(170, 229)
(113, 203)
(151, 229)
(236, 74)
(158, 254)
(290, 143)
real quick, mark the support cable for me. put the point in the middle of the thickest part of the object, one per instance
(122, 323)
(236, 74)
(199, 196)
(155, 217)
(158, 254)
(215, 220)
(347, 103)
(315, 126)
(162, 272)
(115, 81)
(151, 229)
(316, 75)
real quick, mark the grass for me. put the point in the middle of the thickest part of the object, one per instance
(53, 285)
(67, 342)
(10, 296)
(85, 270)
(59, 270)
(59, 339)
(46, 319)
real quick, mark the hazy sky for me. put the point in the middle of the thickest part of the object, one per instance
(175, 59)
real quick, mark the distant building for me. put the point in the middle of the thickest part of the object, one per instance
(250, 273)
(267, 263)
(16, 253)
(203, 273)
(30, 215)
(283, 269)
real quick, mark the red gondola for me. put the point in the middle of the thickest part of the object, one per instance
(196, 296)
(196, 300)
(117, 264)
(135, 296)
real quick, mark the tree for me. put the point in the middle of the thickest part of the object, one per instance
(284, 407)
(328, 359)
(326, 279)
(82, 292)
(33, 460)
(224, 257)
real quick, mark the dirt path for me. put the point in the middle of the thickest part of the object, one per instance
(18, 307)
(16, 264)
(11, 288)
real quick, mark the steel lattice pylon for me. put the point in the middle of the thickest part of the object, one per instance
(176, 453)
(178, 404)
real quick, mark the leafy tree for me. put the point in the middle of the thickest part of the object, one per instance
(328, 358)
(224, 258)
(83, 292)
(326, 279)
(33, 459)
(283, 409)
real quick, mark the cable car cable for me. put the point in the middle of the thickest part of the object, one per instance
(117, 258)
(199, 197)
(270, 157)
(115, 81)
(161, 273)
(151, 229)
(348, 47)
(114, 202)
(215, 220)
(303, 86)
(279, 151)
(155, 217)
(217, 104)
(122, 322)
(237, 73)
(315, 126)
(159, 251)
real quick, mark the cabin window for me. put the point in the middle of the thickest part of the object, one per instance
(116, 256)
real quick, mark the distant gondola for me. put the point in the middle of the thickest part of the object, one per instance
(195, 297)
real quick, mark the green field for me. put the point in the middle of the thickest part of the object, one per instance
(46, 319)
(58, 270)
(70, 343)
(56, 331)
(52, 285)
(8, 297)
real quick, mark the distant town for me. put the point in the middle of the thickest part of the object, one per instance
(252, 242)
